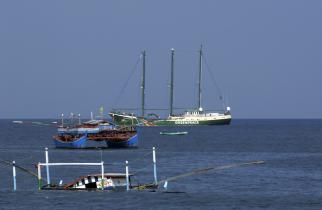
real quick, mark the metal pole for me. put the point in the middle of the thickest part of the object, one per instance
(200, 77)
(14, 175)
(39, 176)
(72, 118)
(79, 119)
(62, 120)
(171, 82)
(143, 85)
(132, 118)
(47, 166)
(127, 175)
(102, 167)
(154, 167)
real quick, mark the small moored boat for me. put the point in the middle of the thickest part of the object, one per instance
(17, 121)
(174, 133)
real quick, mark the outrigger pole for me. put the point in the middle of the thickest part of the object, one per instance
(154, 167)
(14, 175)
(47, 166)
(127, 175)
(143, 85)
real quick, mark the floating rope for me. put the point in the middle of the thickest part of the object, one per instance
(141, 169)
(204, 170)
(198, 171)
(8, 163)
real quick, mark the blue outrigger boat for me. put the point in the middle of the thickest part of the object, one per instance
(95, 130)
(71, 141)
(123, 141)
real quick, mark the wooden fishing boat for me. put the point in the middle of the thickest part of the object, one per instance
(76, 136)
(122, 137)
(131, 141)
(111, 181)
(70, 141)
(174, 133)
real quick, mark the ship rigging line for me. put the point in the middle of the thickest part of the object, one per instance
(213, 79)
(127, 81)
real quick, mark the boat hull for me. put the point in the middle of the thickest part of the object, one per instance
(117, 143)
(191, 122)
(78, 143)
(119, 119)
(123, 119)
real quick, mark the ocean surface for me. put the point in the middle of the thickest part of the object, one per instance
(290, 178)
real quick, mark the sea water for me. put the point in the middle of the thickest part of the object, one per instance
(290, 178)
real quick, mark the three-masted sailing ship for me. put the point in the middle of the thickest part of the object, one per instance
(196, 116)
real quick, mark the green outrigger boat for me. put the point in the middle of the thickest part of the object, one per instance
(192, 117)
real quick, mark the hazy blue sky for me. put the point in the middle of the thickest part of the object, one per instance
(74, 56)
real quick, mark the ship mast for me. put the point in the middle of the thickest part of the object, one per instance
(200, 77)
(171, 82)
(143, 85)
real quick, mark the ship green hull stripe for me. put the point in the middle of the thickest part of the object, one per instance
(126, 121)
(191, 123)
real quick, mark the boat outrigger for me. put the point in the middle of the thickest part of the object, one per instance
(197, 116)
(109, 181)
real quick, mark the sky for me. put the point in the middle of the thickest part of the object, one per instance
(75, 56)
